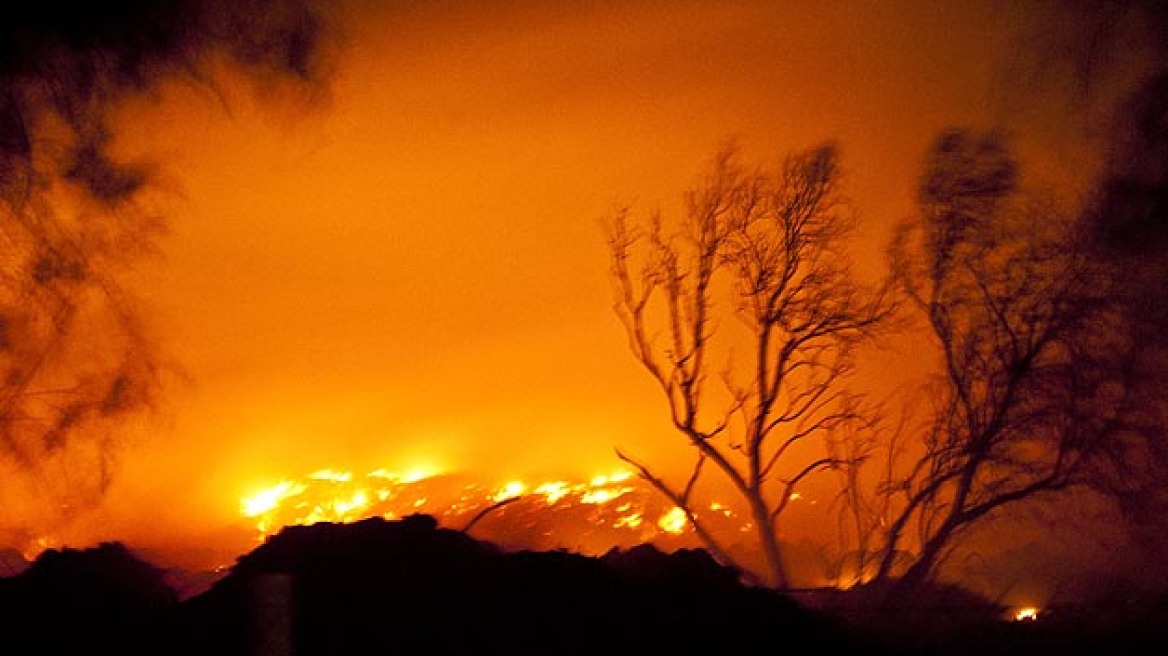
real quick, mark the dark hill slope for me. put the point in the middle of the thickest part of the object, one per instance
(411, 587)
(84, 601)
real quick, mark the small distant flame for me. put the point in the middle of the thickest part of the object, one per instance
(330, 475)
(1026, 614)
(674, 521)
(509, 491)
(36, 546)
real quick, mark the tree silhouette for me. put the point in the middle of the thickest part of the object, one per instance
(1037, 391)
(1106, 65)
(763, 253)
(76, 359)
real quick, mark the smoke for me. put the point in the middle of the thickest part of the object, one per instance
(1119, 62)
(77, 361)
(65, 66)
(1099, 69)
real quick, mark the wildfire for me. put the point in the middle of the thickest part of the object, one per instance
(590, 516)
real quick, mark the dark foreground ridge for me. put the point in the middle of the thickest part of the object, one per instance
(410, 586)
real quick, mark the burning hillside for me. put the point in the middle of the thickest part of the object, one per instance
(588, 517)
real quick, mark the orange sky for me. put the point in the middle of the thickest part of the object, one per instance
(415, 271)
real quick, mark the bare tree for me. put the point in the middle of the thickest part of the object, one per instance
(1036, 390)
(763, 253)
(76, 360)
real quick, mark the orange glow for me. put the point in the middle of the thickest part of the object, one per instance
(417, 267)
(1026, 614)
(509, 491)
(267, 500)
(36, 546)
(673, 521)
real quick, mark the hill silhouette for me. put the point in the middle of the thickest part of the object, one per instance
(77, 601)
(411, 586)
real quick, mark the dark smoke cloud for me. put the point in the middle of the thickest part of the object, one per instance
(1118, 54)
(1076, 61)
(1091, 77)
(1109, 60)
(65, 65)
(1098, 70)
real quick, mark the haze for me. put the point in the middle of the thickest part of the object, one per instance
(413, 271)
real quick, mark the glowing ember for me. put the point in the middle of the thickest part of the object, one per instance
(593, 516)
(37, 545)
(1029, 613)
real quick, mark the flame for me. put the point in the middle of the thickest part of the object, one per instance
(267, 500)
(509, 491)
(330, 475)
(36, 546)
(1026, 614)
(674, 521)
(611, 504)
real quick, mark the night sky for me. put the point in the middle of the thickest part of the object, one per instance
(405, 264)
